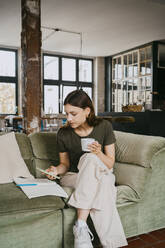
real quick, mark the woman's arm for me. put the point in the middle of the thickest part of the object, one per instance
(64, 165)
(108, 157)
(62, 168)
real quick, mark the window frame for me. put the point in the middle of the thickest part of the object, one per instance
(11, 79)
(116, 107)
(61, 83)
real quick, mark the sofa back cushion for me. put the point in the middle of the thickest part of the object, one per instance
(137, 149)
(26, 150)
(45, 150)
(13, 201)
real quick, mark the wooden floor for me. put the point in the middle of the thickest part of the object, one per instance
(154, 239)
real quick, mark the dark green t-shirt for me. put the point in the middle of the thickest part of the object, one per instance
(69, 141)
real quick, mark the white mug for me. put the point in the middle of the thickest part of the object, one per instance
(85, 142)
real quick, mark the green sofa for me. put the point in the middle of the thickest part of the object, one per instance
(47, 221)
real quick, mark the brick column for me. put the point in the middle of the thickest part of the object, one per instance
(31, 65)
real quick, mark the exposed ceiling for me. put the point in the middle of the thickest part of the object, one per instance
(107, 26)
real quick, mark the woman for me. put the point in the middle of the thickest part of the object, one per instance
(89, 173)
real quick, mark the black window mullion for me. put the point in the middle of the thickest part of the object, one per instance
(43, 82)
(92, 72)
(69, 83)
(77, 74)
(51, 82)
(60, 85)
(8, 79)
(16, 74)
(85, 84)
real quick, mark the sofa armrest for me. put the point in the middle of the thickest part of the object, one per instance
(137, 149)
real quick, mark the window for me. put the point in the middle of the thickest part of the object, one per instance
(132, 78)
(51, 67)
(61, 76)
(85, 70)
(8, 81)
(68, 69)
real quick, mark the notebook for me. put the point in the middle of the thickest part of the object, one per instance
(34, 187)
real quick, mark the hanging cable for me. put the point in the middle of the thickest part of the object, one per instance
(54, 30)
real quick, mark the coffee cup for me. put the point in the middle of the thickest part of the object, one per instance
(85, 142)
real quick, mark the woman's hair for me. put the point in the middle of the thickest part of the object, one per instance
(79, 98)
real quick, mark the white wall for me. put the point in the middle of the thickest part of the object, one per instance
(99, 84)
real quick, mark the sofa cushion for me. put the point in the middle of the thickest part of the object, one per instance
(133, 176)
(14, 200)
(44, 146)
(24, 145)
(137, 149)
(126, 195)
(26, 150)
(12, 164)
(69, 191)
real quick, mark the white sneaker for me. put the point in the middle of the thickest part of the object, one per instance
(82, 237)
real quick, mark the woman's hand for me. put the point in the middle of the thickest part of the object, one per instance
(62, 168)
(95, 147)
(53, 170)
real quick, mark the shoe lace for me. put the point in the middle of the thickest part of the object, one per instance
(90, 233)
(82, 229)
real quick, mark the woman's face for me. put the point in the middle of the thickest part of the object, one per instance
(76, 116)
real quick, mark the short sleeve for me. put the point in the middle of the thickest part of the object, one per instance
(61, 141)
(109, 137)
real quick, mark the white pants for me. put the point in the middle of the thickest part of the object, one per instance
(95, 190)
